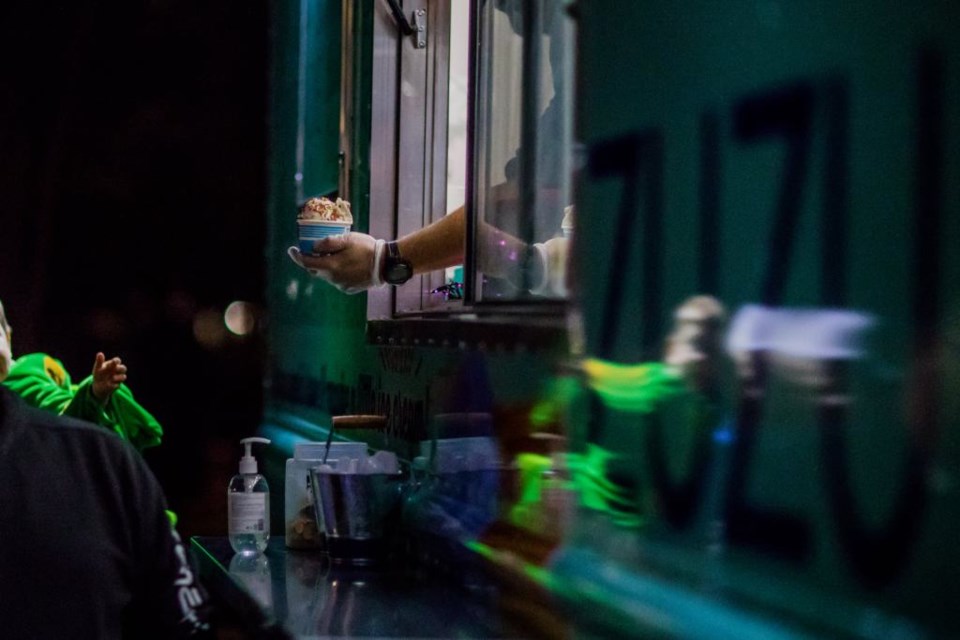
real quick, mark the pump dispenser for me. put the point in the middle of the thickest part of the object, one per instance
(248, 505)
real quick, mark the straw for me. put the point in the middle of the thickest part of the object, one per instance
(326, 450)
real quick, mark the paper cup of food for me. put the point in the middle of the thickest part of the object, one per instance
(313, 230)
(320, 218)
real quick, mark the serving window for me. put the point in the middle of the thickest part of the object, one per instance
(470, 107)
(522, 142)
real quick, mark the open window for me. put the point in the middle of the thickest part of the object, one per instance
(470, 105)
(522, 141)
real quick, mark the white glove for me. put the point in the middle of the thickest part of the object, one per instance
(552, 258)
(351, 263)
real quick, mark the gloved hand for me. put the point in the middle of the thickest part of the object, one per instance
(350, 262)
(552, 262)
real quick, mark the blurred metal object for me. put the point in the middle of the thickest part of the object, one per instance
(353, 508)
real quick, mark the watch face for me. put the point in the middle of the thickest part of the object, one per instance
(398, 273)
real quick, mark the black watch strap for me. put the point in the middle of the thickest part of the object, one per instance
(396, 270)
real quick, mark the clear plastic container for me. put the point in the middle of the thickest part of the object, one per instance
(299, 515)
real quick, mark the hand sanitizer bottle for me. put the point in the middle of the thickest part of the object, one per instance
(248, 505)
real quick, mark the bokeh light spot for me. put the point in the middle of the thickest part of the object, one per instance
(239, 317)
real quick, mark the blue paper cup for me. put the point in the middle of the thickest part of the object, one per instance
(313, 230)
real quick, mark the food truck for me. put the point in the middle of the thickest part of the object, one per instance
(714, 395)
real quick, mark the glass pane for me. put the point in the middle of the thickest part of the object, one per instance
(457, 126)
(523, 167)
(457, 105)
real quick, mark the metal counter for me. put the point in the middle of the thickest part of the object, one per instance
(299, 594)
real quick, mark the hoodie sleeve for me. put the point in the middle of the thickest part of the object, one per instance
(43, 382)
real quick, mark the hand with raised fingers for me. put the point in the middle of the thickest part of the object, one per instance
(108, 375)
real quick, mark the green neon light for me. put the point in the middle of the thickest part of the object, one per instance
(599, 493)
(634, 388)
(560, 393)
(588, 479)
(537, 574)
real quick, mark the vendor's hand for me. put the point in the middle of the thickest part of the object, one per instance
(107, 377)
(550, 279)
(349, 262)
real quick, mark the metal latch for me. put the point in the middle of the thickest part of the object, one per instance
(419, 28)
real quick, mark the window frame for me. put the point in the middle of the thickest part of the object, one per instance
(393, 168)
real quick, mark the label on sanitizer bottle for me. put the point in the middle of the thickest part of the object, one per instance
(246, 512)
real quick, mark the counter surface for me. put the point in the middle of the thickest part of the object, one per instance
(300, 594)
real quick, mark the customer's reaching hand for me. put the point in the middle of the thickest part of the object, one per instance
(108, 375)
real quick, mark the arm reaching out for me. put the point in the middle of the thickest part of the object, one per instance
(352, 262)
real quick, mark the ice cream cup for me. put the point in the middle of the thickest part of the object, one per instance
(313, 230)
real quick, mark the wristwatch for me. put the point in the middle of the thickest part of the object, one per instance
(396, 270)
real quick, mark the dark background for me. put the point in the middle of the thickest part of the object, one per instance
(132, 178)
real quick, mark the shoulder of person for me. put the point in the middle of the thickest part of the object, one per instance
(41, 363)
(69, 428)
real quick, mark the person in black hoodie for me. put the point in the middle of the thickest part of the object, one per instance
(86, 548)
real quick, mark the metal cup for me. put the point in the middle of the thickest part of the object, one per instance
(353, 506)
